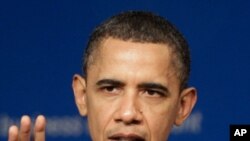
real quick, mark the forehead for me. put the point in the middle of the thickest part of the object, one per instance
(111, 47)
(132, 56)
(120, 51)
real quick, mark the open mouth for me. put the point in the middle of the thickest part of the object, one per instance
(120, 137)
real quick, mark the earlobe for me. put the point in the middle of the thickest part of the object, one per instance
(187, 101)
(79, 88)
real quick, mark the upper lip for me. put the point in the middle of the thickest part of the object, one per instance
(127, 137)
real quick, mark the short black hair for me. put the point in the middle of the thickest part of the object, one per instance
(143, 27)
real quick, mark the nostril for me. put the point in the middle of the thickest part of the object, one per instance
(133, 122)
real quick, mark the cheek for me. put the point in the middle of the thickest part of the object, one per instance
(98, 116)
(160, 120)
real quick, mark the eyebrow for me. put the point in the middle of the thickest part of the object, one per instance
(148, 85)
(152, 85)
(110, 82)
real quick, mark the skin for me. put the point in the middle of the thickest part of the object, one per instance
(131, 91)
(24, 133)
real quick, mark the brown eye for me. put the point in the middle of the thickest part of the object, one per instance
(110, 89)
(154, 93)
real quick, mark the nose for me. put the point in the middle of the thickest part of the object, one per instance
(128, 111)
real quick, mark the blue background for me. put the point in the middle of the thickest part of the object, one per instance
(41, 44)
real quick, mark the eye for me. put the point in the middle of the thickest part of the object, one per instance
(110, 89)
(154, 93)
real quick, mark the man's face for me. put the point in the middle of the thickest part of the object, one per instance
(131, 92)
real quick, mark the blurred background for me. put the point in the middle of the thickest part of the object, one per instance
(41, 45)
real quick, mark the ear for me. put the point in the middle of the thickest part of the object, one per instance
(79, 88)
(187, 101)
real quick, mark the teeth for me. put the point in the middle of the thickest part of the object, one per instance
(124, 139)
(127, 140)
